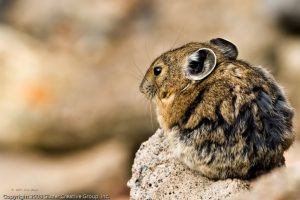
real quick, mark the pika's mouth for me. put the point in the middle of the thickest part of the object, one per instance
(150, 92)
(148, 89)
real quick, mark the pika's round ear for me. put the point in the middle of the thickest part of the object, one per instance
(200, 64)
(227, 48)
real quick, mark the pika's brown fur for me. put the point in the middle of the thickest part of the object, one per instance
(231, 122)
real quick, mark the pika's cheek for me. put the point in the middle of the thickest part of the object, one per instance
(164, 103)
(163, 110)
(165, 93)
(168, 100)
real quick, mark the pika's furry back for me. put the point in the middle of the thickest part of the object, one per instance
(223, 117)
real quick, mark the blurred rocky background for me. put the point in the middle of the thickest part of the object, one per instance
(71, 115)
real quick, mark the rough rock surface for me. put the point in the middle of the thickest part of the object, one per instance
(157, 175)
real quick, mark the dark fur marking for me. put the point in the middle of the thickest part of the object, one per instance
(259, 168)
(275, 117)
(191, 109)
(233, 100)
(207, 148)
(212, 125)
(281, 107)
(280, 98)
(264, 102)
(256, 89)
(251, 135)
(185, 135)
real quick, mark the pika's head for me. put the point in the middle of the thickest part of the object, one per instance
(175, 70)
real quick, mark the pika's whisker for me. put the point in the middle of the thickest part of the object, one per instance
(178, 36)
(151, 116)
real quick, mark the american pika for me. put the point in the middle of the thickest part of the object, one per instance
(222, 116)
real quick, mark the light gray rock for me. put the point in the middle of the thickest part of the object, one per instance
(157, 175)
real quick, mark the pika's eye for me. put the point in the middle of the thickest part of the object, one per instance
(157, 70)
